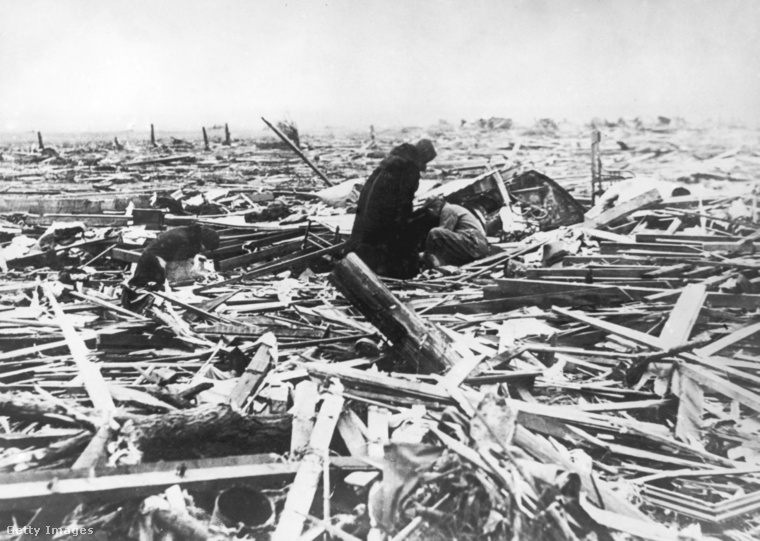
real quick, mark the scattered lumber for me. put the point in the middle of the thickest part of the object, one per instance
(519, 396)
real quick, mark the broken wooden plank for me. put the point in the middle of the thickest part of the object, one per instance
(676, 333)
(690, 405)
(93, 379)
(719, 364)
(509, 287)
(683, 317)
(274, 267)
(353, 377)
(255, 372)
(224, 265)
(91, 220)
(462, 370)
(641, 338)
(721, 385)
(353, 431)
(377, 431)
(598, 273)
(304, 407)
(612, 248)
(67, 204)
(728, 340)
(195, 310)
(162, 160)
(623, 209)
(684, 238)
(301, 493)
(107, 305)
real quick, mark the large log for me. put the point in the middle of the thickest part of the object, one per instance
(29, 407)
(209, 431)
(424, 347)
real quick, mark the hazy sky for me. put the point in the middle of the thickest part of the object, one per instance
(106, 65)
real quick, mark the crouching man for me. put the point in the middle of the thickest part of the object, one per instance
(458, 239)
(171, 256)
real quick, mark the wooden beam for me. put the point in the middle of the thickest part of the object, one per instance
(255, 372)
(270, 252)
(721, 385)
(352, 377)
(31, 490)
(205, 139)
(274, 267)
(302, 491)
(107, 305)
(161, 161)
(686, 239)
(304, 408)
(298, 152)
(353, 431)
(641, 338)
(729, 340)
(683, 317)
(93, 380)
(612, 248)
(598, 272)
(690, 405)
(717, 364)
(424, 347)
(510, 287)
(676, 333)
(377, 431)
(626, 208)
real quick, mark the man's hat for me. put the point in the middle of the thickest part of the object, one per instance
(426, 151)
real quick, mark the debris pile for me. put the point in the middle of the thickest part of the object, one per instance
(594, 377)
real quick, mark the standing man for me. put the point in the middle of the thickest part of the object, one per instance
(380, 236)
(458, 239)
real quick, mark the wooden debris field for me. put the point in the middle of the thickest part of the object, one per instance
(289, 393)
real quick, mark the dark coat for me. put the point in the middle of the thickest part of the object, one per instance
(177, 244)
(380, 232)
(183, 242)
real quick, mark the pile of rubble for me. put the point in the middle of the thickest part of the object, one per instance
(594, 377)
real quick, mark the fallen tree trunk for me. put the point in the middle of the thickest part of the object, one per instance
(29, 407)
(424, 347)
(209, 431)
